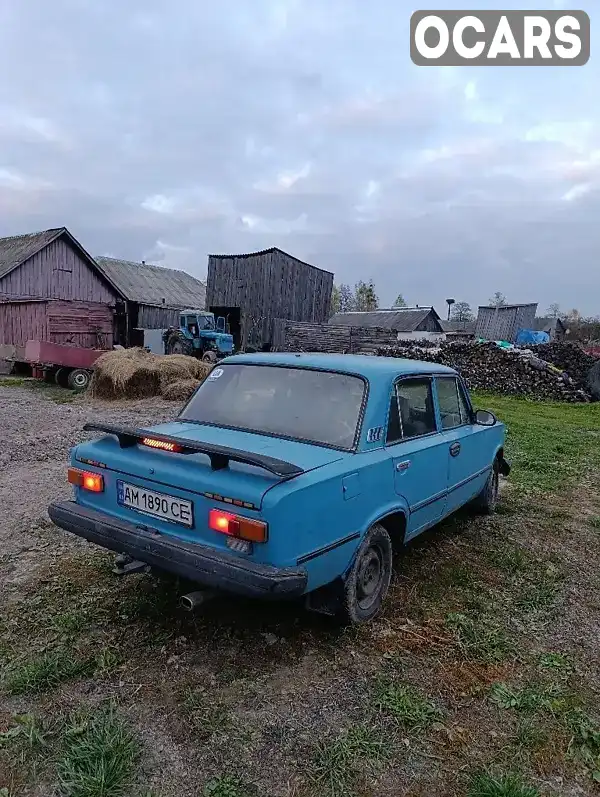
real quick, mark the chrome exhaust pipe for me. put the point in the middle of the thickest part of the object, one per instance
(193, 600)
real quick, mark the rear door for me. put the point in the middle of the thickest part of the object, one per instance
(418, 453)
(468, 452)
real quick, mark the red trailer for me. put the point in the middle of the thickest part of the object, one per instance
(67, 366)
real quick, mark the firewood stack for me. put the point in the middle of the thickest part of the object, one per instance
(568, 357)
(486, 366)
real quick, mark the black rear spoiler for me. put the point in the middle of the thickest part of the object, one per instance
(220, 456)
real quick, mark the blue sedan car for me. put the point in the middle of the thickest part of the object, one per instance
(289, 475)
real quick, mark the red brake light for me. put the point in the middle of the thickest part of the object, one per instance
(175, 448)
(94, 482)
(237, 526)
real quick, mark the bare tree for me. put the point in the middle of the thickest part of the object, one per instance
(461, 311)
(498, 299)
(554, 310)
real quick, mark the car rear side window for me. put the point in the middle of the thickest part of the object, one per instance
(411, 410)
(453, 408)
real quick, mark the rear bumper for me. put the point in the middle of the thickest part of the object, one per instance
(199, 563)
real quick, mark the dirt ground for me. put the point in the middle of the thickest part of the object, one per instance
(485, 663)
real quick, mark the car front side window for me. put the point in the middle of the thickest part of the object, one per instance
(453, 408)
(411, 410)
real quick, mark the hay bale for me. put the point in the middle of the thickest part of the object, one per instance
(125, 373)
(180, 367)
(180, 390)
(137, 373)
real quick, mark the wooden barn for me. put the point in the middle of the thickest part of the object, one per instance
(154, 295)
(255, 289)
(51, 289)
(504, 321)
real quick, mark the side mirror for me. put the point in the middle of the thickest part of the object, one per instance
(485, 418)
(221, 324)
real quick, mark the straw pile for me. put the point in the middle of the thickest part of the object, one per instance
(137, 373)
(180, 390)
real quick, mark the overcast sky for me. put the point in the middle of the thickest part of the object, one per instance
(167, 129)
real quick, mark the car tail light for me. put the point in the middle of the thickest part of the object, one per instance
(163, 445)
(236, 526)
(94, 482)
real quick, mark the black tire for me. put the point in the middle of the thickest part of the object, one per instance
(61, 377)
(79, 379)
(368, 581)
(593, 381)
(209, 357)
(487, 500)
(178, 344)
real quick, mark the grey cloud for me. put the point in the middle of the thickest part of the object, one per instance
(167, 130)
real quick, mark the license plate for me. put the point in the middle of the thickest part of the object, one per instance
(160, 505)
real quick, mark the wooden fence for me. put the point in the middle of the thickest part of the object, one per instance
(305, 336)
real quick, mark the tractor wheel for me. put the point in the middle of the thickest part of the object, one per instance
(209, 357)
(177, 344)
(61, 377)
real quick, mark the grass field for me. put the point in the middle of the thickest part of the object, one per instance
(481, 678)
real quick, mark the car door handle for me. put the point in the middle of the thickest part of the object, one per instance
(402, 466)
(455, 449)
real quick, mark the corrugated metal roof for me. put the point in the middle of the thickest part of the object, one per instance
(544, 323)
(269, 252)
(399, 319)
(155, 285)
(506, 306)
(15, 249)
(468, 327)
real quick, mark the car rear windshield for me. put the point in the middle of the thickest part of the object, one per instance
(313, 406)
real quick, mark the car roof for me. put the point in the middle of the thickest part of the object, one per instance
(360, 364)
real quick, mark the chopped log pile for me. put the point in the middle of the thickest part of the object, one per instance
(511, 371)
(568, 357)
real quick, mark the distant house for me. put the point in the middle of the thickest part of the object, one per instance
(153, 294)
(552, 326)
(459, 330)
(408, 322)
(505, 321)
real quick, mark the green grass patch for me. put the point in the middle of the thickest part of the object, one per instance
(98, 756)
(405, 705)
(229, 786)
(550, 444)
(339, 764)
(479, 637)
(46, 672)
(510, 558)
(489, 785)
(595, 523)
(207, 716)
(584, 746)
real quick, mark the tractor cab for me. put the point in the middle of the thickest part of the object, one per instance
(199, 335)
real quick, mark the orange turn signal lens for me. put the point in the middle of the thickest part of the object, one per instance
(236, 526)
(94, 482)
(163, 445)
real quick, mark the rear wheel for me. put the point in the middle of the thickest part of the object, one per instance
(61, 377)
(487, 500)
(368, 581)
(178, 344)
(79, 379)
(209, 357)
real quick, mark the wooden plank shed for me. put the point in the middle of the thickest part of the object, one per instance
(253, 290)
(51, 289)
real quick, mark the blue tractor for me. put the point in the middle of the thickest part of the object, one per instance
(199, 335)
